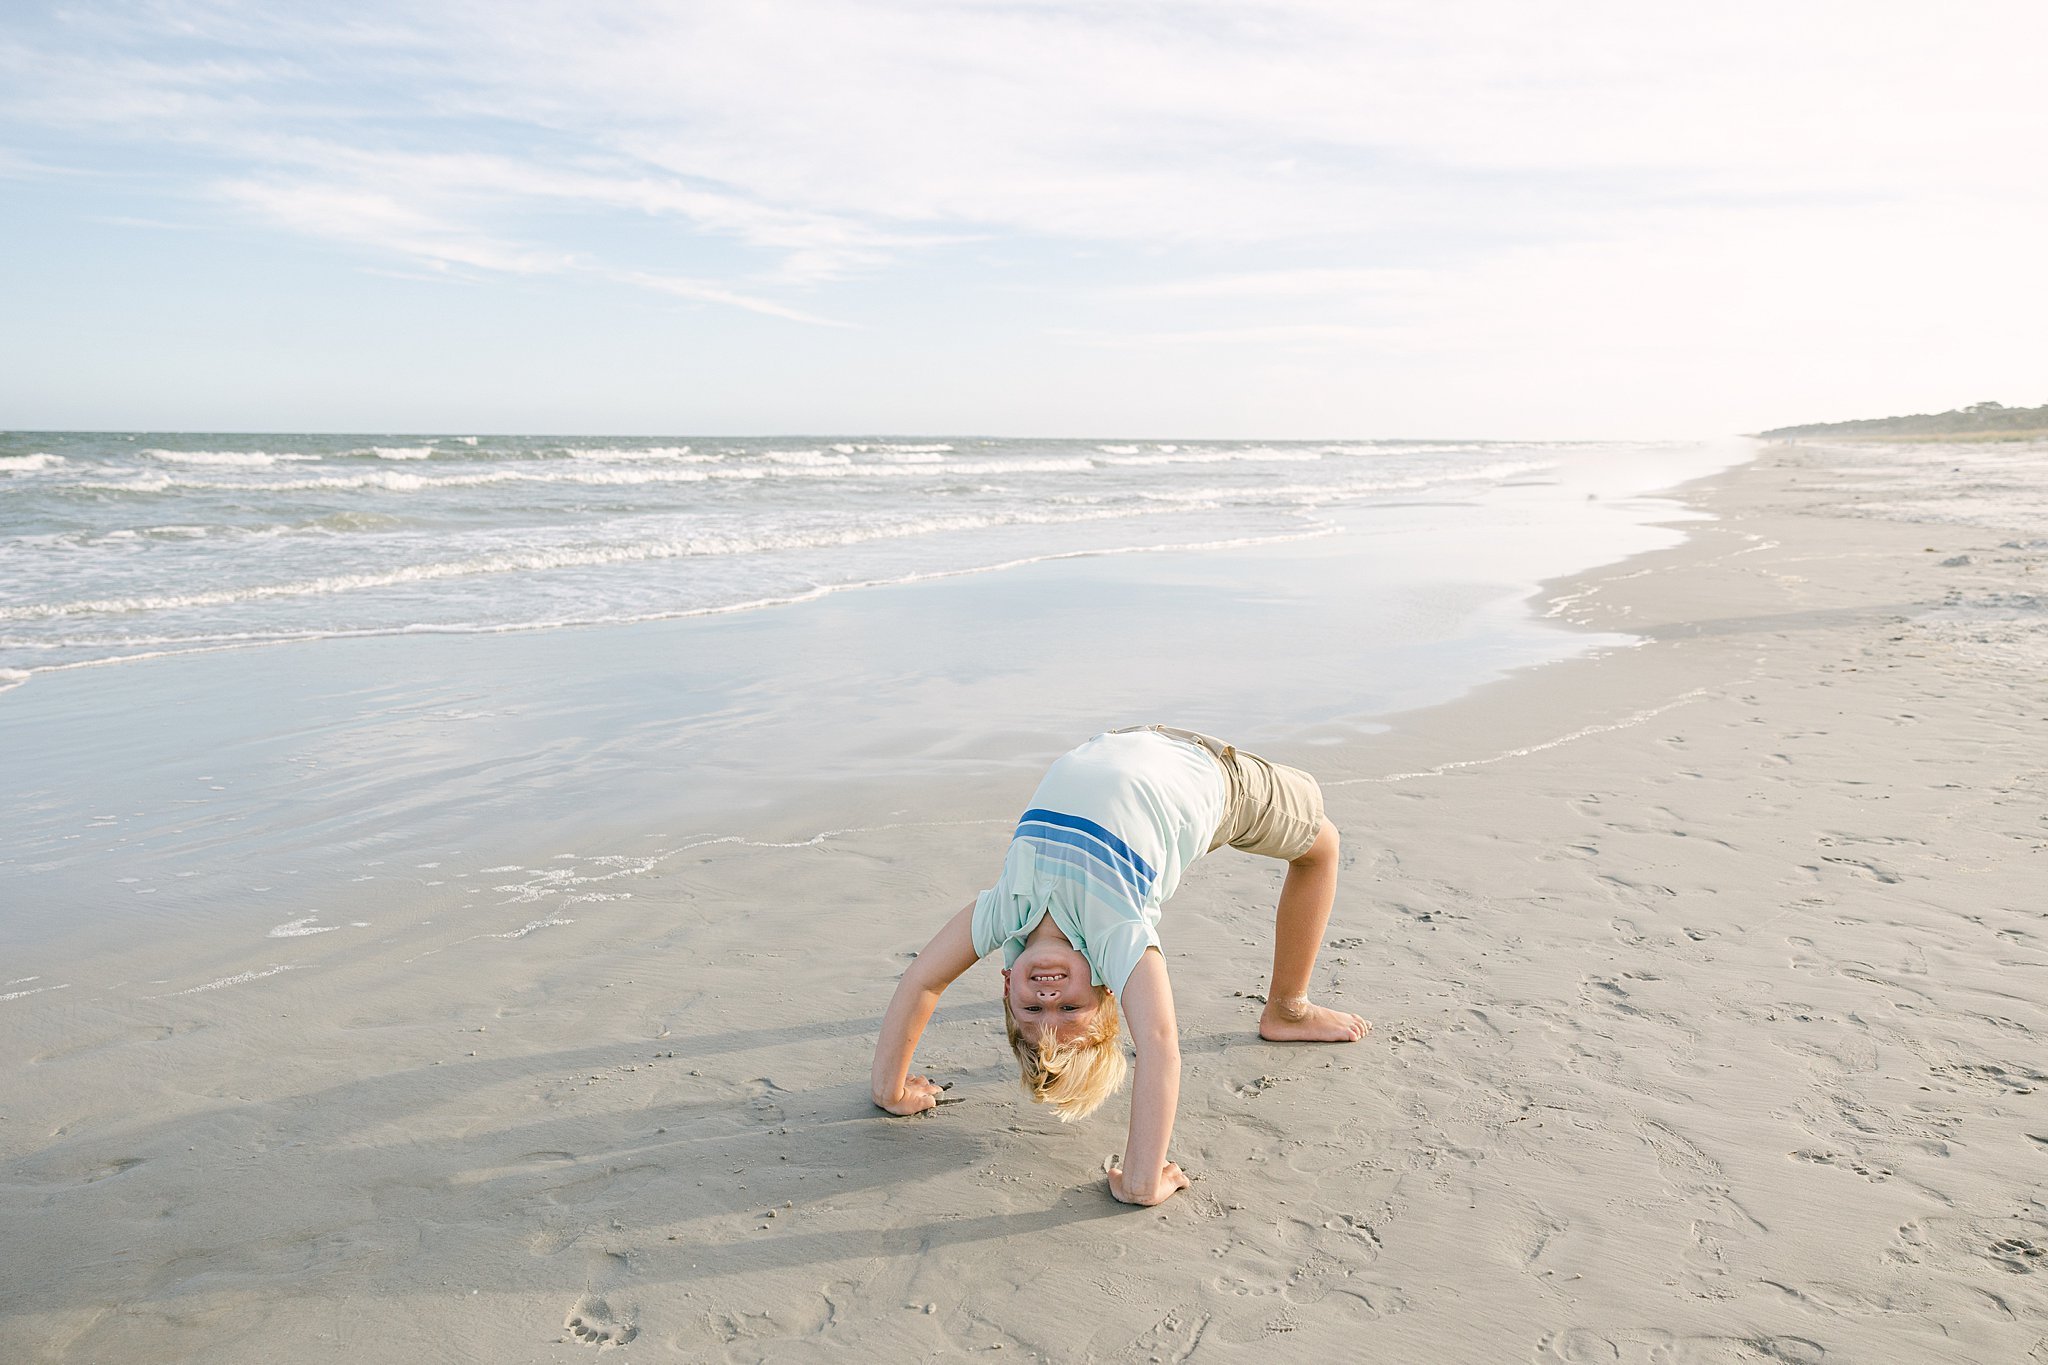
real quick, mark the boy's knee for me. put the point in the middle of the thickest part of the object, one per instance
(1325, 847)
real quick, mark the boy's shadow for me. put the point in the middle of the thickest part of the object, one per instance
(331, 1182)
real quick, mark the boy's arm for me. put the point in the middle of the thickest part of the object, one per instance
(1147, 1177)
(950, 953)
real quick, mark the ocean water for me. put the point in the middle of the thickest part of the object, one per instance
(273, 699)
(120, 547)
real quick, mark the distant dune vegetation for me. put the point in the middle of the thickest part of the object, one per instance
(1978, 422)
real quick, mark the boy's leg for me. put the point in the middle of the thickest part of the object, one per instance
(1305, 900)
(1269, 811)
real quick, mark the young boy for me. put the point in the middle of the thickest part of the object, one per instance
(1109, 832)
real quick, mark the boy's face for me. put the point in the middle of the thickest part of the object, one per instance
(1048, 986)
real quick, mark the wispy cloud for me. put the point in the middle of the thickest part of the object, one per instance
(705, 291)
(321, 162)
(1610, 186)
(1089, 120)
(838, 136)
(1305, 334)
(17, 166)
(378, 221)
(370, 218)
(1315, 283)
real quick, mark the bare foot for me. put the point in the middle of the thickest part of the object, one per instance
(1301, 1022)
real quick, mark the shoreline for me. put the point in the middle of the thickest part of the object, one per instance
(1704, 978)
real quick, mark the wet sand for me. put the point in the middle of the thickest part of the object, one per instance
(1707, 977)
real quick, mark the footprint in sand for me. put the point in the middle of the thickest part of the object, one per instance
(764, 1100)
(1174, 1337)
(1962, 1244)
(1579, 1346)
(1803, 958)
(2019, 1255)
(1872, 1172)
(593, 1323)
(2018, 1080)
(1875, 871)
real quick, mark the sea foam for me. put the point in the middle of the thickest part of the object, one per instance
(246, 459)
(123, 549)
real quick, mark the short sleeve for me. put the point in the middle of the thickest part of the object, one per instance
(990, 924)
(1115, 948)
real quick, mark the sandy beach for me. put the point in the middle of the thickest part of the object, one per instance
(1707, 974)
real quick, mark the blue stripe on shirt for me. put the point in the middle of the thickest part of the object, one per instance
(1087, 826)
(1119, 868)
(1079, 849)
(1100, 879)
(1084, 848)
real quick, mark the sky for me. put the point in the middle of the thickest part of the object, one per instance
(1279, 218)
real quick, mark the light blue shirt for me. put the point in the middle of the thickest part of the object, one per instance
(1109, 832)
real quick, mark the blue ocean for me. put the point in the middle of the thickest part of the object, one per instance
(126, 547)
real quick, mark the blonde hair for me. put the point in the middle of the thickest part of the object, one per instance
(1074, 1078)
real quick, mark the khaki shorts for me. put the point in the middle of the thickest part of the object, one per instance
(1273, 810)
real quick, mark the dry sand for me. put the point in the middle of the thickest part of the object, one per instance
(1708, 980)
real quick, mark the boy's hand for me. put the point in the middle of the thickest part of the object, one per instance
(918, 1094)
(1130, 1190)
